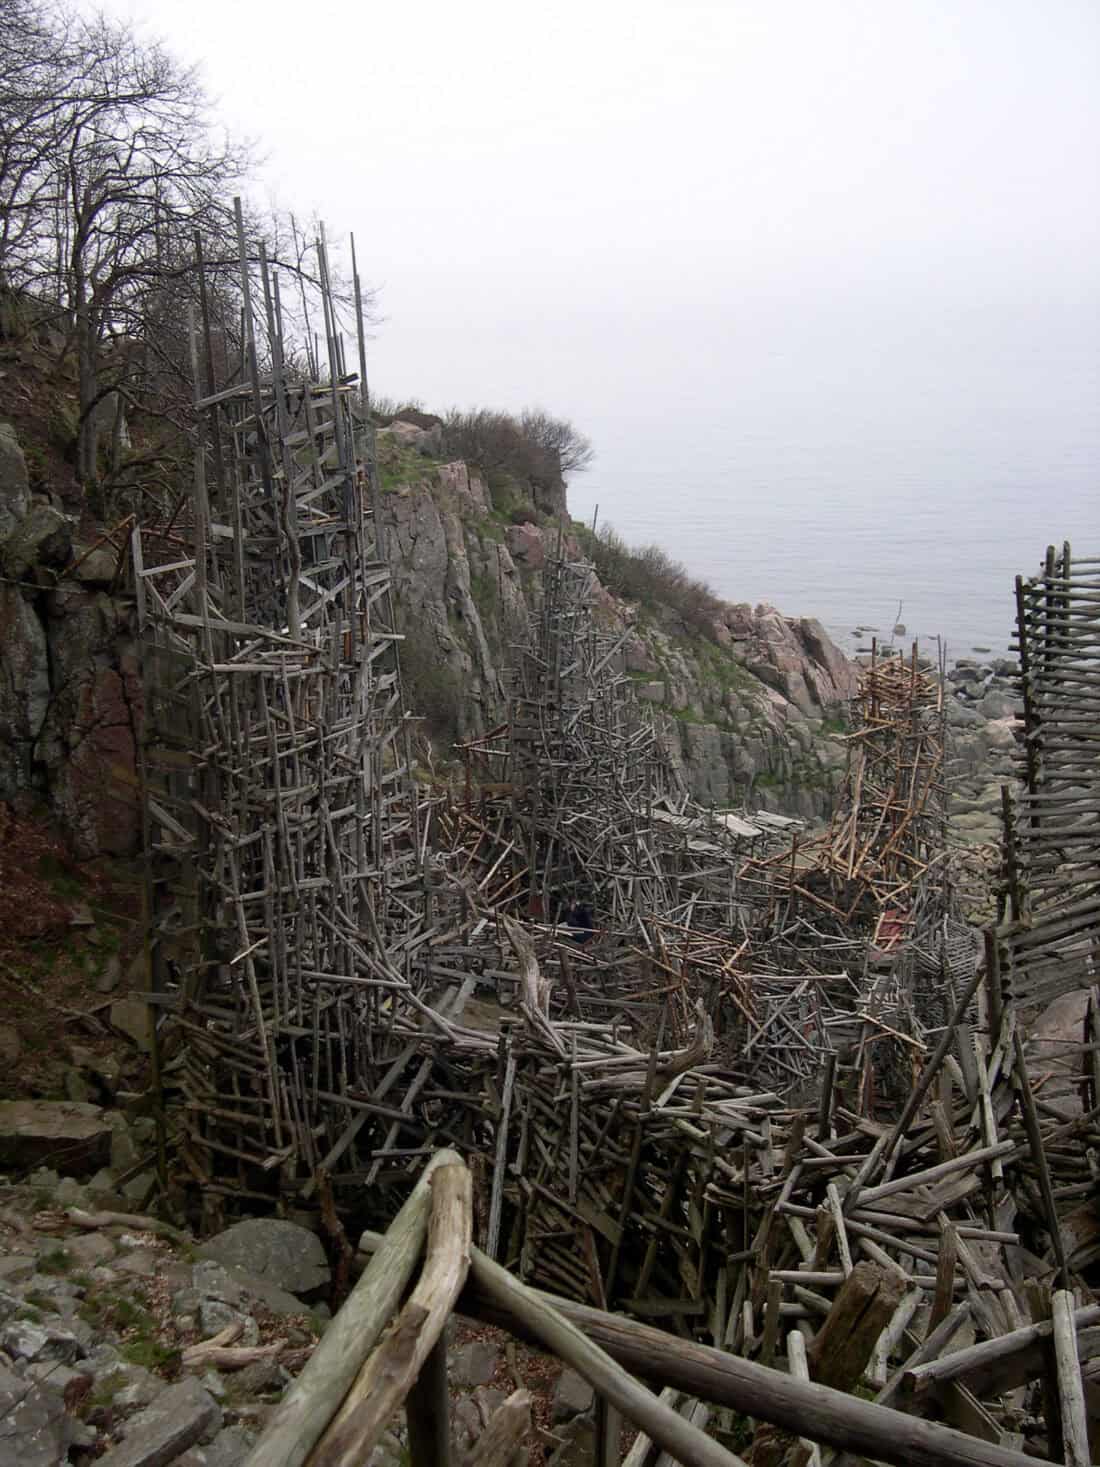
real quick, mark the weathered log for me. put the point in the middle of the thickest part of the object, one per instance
(862, 1309)
(302, 1416)
(385, 1378)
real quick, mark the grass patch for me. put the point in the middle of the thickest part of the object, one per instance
(56, 1261)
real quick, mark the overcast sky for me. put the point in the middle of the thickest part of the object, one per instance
(523, 180)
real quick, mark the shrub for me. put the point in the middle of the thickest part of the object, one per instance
(647, 574)
(533, 448)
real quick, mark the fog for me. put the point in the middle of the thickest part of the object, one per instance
(650, 215)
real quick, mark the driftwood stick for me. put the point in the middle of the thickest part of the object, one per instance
(1008, 1361)
(139, 1222)
(383, 1382)
(1071, 1391)
(302, 1416)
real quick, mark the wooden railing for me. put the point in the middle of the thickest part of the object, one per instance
(379, 1354)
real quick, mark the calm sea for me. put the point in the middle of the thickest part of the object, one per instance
(839, 466)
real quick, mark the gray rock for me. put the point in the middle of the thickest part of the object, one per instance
(473, 1363)
(228, 1449)
(34, 1131)
(181, 1415)
(37, 1430)
(23, 1340)
(132, 1016)
(108, 980)
(41, 537)
(579, 1447)
(135, 1387)
(259, 1378)
(572, 1396)
(11, 1046)
(10, 1303)
(997, 705)
(14, 487)
(24, 689)
(16, 1268)
(214, 1316)
(96, 568)
(289, 1256)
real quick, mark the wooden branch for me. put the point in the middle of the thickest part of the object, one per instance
(384, 1381)
(138, 1222)
(306, 1410)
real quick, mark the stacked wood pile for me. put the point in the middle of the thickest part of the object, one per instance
(752, 1088)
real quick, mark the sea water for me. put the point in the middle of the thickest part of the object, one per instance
(866, 470)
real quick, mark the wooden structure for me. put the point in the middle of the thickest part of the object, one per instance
(752, 1088)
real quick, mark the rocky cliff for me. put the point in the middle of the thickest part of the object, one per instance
(70, 695)
(748, 704)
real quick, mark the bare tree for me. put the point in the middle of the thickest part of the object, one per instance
(558, 436)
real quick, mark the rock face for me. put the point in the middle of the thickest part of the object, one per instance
(741, 709)
(70, 698)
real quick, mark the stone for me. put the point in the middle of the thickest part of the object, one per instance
(280, 1252)
(526, 545)
(108, 979)
(228, 1449)
(133, 1017)
(24, 1340)
(24, 689)
(997, 705)
(9, 1304)
(96, 567)
(181, 1415)
(16, 1268)
(14, 485)
(140, 1263)
(579, 1447)
(474, 1363)
(37, 1430)
(35, 1131)
(214, 1316)
(89, 1250)
(572, 1396)
(41, 537)
(11, 1046)
(260, 1377)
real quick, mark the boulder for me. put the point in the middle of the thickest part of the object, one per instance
(14, 489)
(572, 1396)
(37, 1430)
(280, 1252)
(41, 537)
(180, 1416)
(94, 567)
(133, 1017)
(33, 1132)
(474, 1363)
(525, 545)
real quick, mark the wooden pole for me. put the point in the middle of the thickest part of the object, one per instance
(302, 1416)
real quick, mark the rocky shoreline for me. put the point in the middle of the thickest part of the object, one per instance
(983, 710)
